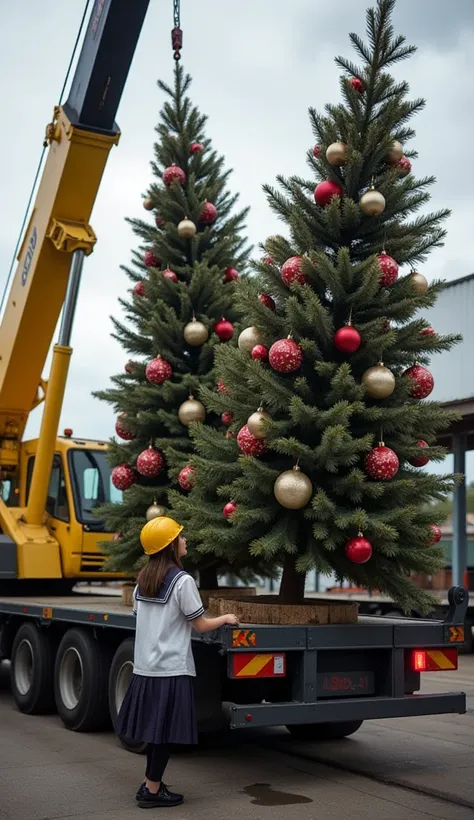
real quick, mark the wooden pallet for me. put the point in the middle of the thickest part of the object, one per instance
(265, 609)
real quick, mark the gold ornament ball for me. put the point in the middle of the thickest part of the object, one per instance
(186, 229)
(395, 153)
(256, 422)
(293, 489)
(191, 410)
(379, 381)
(419, 283)
(148, 204)
(249, 338)
(372, 203)
(155, 511)
(196, 333)
(336, 153)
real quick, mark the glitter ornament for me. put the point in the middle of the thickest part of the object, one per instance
(381, 463)
(139, 289)
(150, 462)
(285, 356)
(378, 381)
(150, 260)
(174, 172)
(195, 333)
(191, 410)
(291, 271)
(248, 339)
(186, 229)
(154, 511)
(122, 431)
(389, 269)
(249, 444)
(158, 371)
(123, 476)
(186, 478)
(293, 489)
(422, 381)
(208, 214)
(170, 274)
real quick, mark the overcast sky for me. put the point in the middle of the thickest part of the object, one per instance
(257, 67)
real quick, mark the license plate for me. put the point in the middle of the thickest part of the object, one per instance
(350, 684)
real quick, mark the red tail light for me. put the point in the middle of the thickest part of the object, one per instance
(433, 660)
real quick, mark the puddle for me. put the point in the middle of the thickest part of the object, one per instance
(265, 795)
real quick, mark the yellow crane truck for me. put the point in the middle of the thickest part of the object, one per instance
(73, 653)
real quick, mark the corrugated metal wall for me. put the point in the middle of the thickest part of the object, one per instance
(454, 313)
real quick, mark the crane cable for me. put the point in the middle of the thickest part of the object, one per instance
(40, 163)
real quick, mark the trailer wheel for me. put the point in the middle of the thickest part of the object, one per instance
(324, 731)
(120, 676)
(32, 664)
(80, 682)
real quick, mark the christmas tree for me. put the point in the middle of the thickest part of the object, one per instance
(180, 309)
(327, 389)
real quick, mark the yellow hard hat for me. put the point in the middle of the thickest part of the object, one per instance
(159, 533)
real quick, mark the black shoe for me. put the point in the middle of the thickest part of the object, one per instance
(162, 799)
(141, 791)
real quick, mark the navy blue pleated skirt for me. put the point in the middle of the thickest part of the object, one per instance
(159, 710)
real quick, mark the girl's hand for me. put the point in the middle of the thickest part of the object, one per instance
(232, 620)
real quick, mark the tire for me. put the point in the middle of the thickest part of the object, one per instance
(32, 664)
(81, 675)
(324, 731)
(120, 675)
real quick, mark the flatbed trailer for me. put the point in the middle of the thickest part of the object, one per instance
(74, 655)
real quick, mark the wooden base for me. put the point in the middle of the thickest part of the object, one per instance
(265, 609)
(226, 593)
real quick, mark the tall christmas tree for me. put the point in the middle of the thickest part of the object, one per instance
(180, 310)
(328, 390)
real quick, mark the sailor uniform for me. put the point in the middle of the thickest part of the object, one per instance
(159, 707)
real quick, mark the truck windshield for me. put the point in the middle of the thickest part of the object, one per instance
(92, 485)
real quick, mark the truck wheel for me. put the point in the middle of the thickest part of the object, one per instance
(120, 676)
(32, 664)
(80, 682)
(325, 731)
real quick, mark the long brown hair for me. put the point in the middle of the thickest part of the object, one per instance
(152, 575)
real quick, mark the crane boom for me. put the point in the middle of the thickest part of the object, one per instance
(81, 136)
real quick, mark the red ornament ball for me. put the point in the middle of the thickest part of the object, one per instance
(285, 356)
(139, 289)
(227, 418)
(150, 260)
(347, 339)
(231, 275)
(291, 271)
(421, 461)
(222, 388)
(316, 151)
(160, 222)
(172, 173)
(435, 533)
(403, 166)
(129, 367)
(268, 260)
(324, 192)
(158, 371)
(208, 214)
(123, 476)
(250, 445)
(381, 463)
(229, 508)
(224, 329)
(196, 148)
(358, 550)
(170, 274)
(389, 269)
(150, 462)
(267, 300)
(428, 331)
(186, 478)
(357, 84)
(123, 432)
(422, 381)
(259, 352)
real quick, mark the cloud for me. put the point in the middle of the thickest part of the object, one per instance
(257, 67)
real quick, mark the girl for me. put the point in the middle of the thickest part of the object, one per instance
(158, 707)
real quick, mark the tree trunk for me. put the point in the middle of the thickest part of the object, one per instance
(292, 582)
(208, 578)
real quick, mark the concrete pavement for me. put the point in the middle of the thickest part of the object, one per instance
(48, 773)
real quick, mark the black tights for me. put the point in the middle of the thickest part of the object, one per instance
(157, 758)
